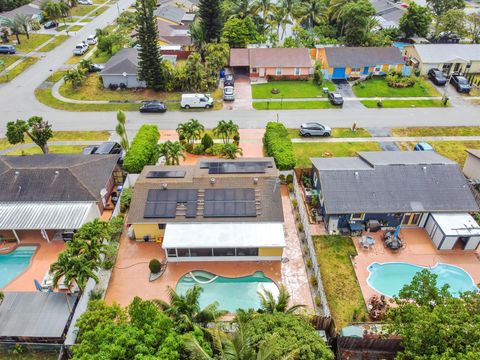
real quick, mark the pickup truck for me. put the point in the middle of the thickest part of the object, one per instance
(80, 49)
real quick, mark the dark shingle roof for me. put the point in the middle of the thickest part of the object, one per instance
(54, 177)
(125, 61)
(362, 56)
(171, 13)
(388, 185)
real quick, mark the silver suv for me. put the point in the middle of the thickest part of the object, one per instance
(315, 129)
(228, 93)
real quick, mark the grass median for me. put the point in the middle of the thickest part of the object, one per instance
(18, 69)
(292, 105)
(402, 103)
(54, 43)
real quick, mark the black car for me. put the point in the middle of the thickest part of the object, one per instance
(153, 107)
(89, 149)
(50, 24)
(335, 98)
(96, 68)
(460, 83)
(229, 80)
(108, 147)
(437, 77)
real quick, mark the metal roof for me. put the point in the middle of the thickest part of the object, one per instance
(444, 53)
(239, 235)
(35, 314)
(44, 215)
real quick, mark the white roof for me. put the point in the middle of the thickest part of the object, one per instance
(444, 53)
(457, 224)
(222, 235)
(48, 216)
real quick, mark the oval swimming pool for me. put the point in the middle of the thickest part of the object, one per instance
(14, 263)
(231, 293)
(389, 278)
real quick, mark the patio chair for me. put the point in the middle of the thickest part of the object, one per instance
(364, 242)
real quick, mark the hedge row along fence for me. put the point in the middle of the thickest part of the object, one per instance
(279, 146)
(143, 150)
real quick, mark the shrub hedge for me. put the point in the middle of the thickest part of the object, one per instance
(143, 151)
(278, 145)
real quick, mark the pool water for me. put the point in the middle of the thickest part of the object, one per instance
(389, 278)
(231, 293)
(14, 263)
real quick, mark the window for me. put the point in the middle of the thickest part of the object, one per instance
(357, 216)
(247, 251)
(224, 252)
(254, 70)
(162, 226)
(355, 70)
(200, 252)
(183, 252)
(378, 68)
(172, 252)
(297, 71)
(278, 71)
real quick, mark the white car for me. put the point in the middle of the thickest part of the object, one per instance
(91, 39)
(80, 49)
(85, 2)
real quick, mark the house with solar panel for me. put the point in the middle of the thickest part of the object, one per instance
(387, 189)
(215, 210)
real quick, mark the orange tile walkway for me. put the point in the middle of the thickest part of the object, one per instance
(130, 274)
(46, 254)
(419, 250)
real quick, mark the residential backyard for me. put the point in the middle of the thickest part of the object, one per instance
(290, 89)
(304, 151)
(378, 87)
(339, 280)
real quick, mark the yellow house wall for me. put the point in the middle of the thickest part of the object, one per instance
(270, 251)
(147, 229)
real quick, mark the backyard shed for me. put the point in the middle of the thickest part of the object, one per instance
(447, 229)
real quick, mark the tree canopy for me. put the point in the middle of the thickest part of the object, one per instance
(211, 22)
(38, 130)
(416, 21)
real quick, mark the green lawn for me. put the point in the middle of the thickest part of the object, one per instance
(8, 60)
(437, 131)
(56, 76)
(305, 151)
(27, 45)
(339, 280)
(291, 105)
(290, 89)
(54, 43)
(377, 87)
(100, 57)
(454, 150)
(402, 103)
(54, 149)
(18, 69)
(336, 133)
(75, 27)
(81, 10)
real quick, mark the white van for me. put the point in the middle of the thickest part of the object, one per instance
(196, 101)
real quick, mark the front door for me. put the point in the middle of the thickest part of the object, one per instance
(411, 219)
(262, 72)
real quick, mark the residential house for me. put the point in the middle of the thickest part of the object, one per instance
(388, 13)
(122, 70)
(339, 62)
(272, 63)
(471, 168)
(450, 58)
(190, 6)
(54, 192)
(32, 10)
(216, 210)
(174, 35)
(174, 15)
(398, 188)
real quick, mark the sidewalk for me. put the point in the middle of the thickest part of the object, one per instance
(363, 98)
(387, 139)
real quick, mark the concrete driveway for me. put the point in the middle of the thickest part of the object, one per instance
(345, 89)
(243, 95)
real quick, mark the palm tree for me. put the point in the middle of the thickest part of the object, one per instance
(63, 10)
(242, 8)
(277, 17)
(120, 128)
(74, 270)
(263, 7)
(191, 130)
(75, 77)
(336, 9)
(226, 130)
(51, 10)
(185, 309)
(313, 12)
(25, 22)
(230, 151)
(172, 151)
(14, 26)
(270, 305)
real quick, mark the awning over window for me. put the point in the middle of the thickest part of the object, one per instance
(48, 216)
(224, 235)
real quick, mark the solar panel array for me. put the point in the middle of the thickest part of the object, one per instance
(165, 174)
(236, 167)
(163, 203)
(229, 203)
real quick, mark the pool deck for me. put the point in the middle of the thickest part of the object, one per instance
(419, 250)
(130, 274)
(46, 254)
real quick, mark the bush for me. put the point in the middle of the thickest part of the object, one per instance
(110, 255)
(290, 187)
(379, 103)
(396, 80)
(317, 74)
(154, 266)
(318, 301)
(236, 138)
(278, 145)
(188, 147)
(309, 263)
(300, 227)
(198, 149)
(313, 280)
(115, 228)
(208, 151)
(294, 202)
(289, 178)
(217, 149)
(282, 178)
(207, 141)
(96, 294)
(143, 150)
(125, 199)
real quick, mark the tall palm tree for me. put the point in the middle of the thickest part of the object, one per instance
(14, 26)
(51, 10)
(63, 10)
(185, 309)
(263, 8)
(172, 151)
(312, 12)
(120, 128)
(336, 9)
(242, 8)
(226, 130)
(191, 130)
(269, 304)
(277, 17)
(75, 77)
(25, 22)
(74, 270)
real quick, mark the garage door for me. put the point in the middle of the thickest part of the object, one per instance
(338, 73)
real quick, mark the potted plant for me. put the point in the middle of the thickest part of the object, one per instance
(155, 267)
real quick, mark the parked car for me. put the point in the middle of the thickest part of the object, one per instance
(108, 147)
(229, 80)
(196, 101)
(96, 68)
(335, 98)
(80, 49)
(437, 77)
(89, 149)
(315, 129)
(85, 2)
(7, 49)
(153, 107)
(228, 93)
(460, 83)
(423, 146)
(92, 39)
(50, 24)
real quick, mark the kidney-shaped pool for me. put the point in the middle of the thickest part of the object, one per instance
(14, 263)
(231, 293)
(389, 278)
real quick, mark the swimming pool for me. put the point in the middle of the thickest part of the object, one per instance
(231, 293)
(14, 263)
(389, 278)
